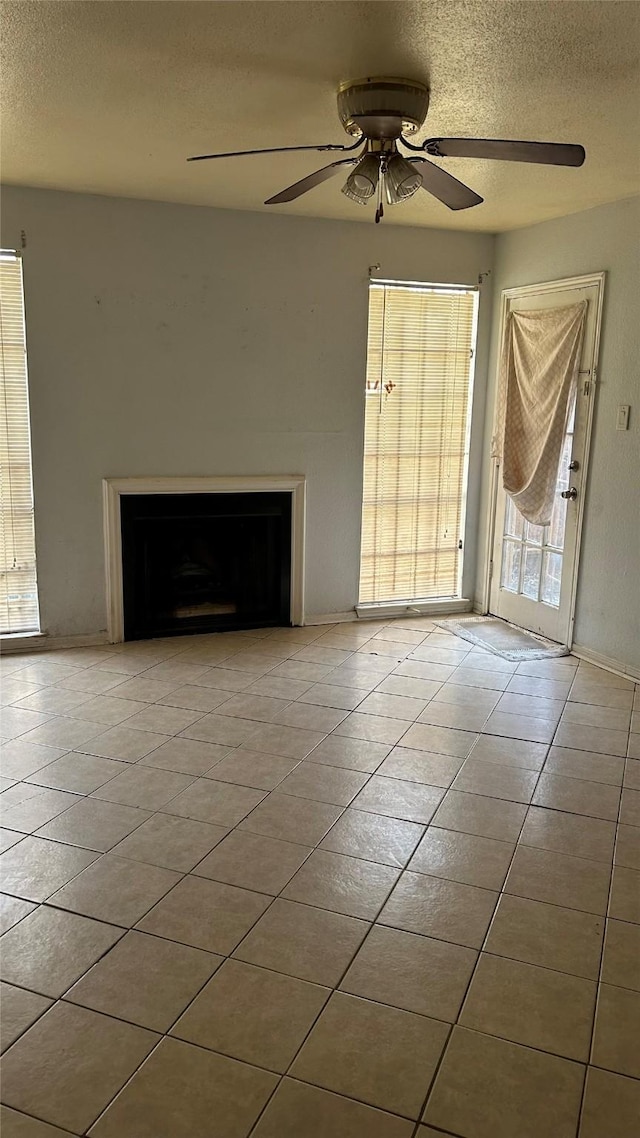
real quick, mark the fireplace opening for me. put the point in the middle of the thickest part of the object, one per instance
(195, 563)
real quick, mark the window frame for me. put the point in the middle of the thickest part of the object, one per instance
(21, 377)
(454, 601)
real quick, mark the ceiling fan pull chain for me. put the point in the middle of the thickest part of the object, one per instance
(380, 208)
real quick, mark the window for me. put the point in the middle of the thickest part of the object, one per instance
(18, 590)
(418, 390)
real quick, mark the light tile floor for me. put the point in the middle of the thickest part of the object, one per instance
(361, 881)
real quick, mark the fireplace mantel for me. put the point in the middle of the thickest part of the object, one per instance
(114, 488)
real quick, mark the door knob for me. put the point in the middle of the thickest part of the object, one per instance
(572, 493)
(574, 464)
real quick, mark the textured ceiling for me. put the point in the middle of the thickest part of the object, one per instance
(111, 96)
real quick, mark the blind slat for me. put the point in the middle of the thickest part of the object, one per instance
(419, 352)
(18, 588)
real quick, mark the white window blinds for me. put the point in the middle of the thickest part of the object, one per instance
(18, 594)
(419, 368)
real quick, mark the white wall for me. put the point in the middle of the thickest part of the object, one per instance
(175, 340)
(608, 602)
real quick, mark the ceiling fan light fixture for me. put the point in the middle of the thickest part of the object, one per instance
(361, 184)
(401, 179)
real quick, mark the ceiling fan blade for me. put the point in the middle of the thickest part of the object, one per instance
(507, 150)
(271, 150)
(445, 187)
(311, 180)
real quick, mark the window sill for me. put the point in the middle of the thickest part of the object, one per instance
(18, 641)
(435, 607)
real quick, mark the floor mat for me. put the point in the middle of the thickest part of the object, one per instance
(503, 639)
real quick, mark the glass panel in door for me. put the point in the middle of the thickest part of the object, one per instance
(532, 555)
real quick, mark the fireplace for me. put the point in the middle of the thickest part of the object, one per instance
(202, 555)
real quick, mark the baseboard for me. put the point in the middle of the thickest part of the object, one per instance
(618, 667)
(331, 617)
(41, 642)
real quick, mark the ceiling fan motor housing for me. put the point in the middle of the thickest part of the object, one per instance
(382, 108)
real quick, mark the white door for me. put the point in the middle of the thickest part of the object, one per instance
(534, 568)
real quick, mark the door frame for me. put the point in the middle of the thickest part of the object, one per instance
(596, 280)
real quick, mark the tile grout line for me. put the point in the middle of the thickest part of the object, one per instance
(596, 1003)
(163, 808)
(450, 1031)
(163, 811)
(35, 1118)
(58, 999)
(336, 988)
(479, 955)
(103, 1111)
(165, 1034)
(228, 957)
(370, 774)
(482, 949)
(475, 967)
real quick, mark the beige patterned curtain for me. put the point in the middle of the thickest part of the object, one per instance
(538, 378)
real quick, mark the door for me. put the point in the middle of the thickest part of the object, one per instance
(534, 568)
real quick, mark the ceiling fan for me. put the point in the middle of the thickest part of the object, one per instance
(378, 113)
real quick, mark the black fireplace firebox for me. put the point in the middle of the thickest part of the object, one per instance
(195, 563)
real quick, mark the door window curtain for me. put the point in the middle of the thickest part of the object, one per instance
(537, 383)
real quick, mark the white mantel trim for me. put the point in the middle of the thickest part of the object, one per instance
(114, 488)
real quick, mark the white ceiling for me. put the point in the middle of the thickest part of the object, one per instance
(111, 96)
